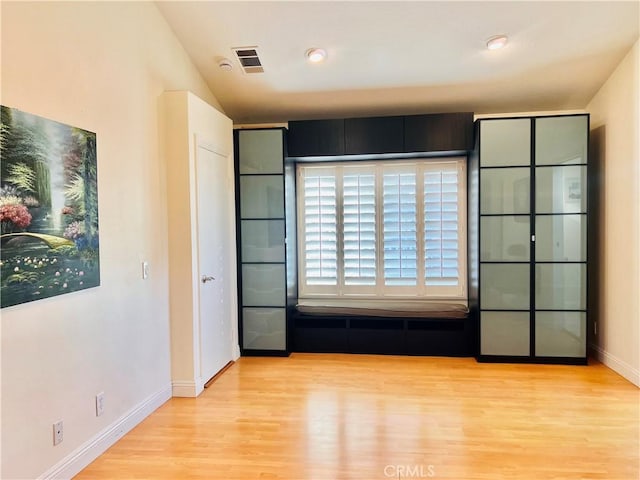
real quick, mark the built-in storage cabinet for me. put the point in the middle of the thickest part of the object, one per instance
(429, 134)
(374, 135)
(312, 138)
(438, 132)
(262, 281)
(383, 335)
(532, 238)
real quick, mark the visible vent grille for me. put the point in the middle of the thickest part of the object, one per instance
(249, 59)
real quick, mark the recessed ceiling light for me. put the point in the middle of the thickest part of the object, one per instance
(316, 55)
(497, 42)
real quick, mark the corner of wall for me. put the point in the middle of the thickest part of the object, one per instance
(86, 453)
(615, 232)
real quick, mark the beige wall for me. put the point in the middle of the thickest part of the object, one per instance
(615, 153)
(102, 67)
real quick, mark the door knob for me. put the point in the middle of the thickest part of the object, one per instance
(206, 279)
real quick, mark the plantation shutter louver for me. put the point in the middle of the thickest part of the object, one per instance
(399, 220)
(359, 228)
(320, 234)
(441, 226)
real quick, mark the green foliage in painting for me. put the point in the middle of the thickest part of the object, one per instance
(75, 193)
(22, 177)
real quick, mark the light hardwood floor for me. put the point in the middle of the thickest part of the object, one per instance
(369, 417)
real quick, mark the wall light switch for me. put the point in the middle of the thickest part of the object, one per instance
(99, 404)
(145, 270)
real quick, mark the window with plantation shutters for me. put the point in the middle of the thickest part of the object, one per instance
(385, 229)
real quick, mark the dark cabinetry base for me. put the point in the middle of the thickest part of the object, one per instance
(376, 335)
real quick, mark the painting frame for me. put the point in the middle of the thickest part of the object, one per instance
(49, 231)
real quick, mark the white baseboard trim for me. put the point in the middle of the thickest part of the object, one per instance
(187, 388)
(614, 363)
(73, 463)
(236, 352)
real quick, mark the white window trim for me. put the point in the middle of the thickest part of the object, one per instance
(380, 291)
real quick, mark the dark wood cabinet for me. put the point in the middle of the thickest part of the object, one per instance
(374, 135)
(439, 132)
(430, 133)
(379, 335)
(311, 138)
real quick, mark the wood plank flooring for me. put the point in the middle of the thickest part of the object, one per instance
(366, 417)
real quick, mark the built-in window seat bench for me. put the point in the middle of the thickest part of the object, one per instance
(443, 329)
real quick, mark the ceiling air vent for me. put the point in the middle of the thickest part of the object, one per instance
(248, 58)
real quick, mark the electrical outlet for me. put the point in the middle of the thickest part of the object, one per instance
(57, 432)
(99, 404)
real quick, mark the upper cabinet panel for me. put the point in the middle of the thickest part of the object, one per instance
(505, 142)
(562, 140)
(374, 135)
(310, 138)
(432, 133)
(439, 132)
(260, 151)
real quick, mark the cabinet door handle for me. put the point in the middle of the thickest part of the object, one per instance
(206, 279)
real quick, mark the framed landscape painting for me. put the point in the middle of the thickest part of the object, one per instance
(49, 241)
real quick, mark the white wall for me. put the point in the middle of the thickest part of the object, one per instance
(101, 67)
(615, 151)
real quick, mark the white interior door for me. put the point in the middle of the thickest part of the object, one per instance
(214, 251)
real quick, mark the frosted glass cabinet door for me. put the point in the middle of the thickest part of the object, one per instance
(561, 286)
(561, 334)
(505, 238)
(561, 238)
(561, 189)
(504, 286)
(264, 328)
(532, 179)
(561, 140)
(262, 196)
(260, 151)
(263, 285)
(262, 241)
(505, 142)
(504, 333)
(505, 190)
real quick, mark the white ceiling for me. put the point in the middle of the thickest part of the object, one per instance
(401, 57)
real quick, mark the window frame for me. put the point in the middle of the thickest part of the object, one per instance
(420, 291)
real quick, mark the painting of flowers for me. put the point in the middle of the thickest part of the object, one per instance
(48, 208)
